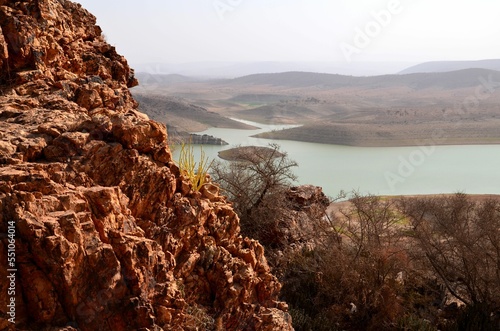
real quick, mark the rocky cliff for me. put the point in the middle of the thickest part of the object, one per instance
(98, 227)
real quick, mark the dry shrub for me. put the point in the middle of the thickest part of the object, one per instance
(198, 319)
(256, 183)
(357, 277)
(385, 264)
(460, 237)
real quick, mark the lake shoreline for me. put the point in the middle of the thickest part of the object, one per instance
(389, 136)
(391, 143)
(431, 169)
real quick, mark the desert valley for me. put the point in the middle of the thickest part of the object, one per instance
(376, 134)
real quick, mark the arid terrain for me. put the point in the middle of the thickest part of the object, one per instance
(457, 107)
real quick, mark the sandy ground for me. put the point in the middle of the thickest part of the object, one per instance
(336, 207)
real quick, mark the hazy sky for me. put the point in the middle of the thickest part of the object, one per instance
(299, 30)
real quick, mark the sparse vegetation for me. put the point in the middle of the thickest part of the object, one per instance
(198, 319)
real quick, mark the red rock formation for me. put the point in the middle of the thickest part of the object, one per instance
(108, 235)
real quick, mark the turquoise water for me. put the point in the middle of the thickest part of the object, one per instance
(473, 169)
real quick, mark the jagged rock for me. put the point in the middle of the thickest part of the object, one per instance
(304, 216)
(308, 197)
(308, 208)
(108, 235)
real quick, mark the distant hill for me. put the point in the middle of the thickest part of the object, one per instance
(446, 80)
(183, 115)
(388, 110)
(277, 113)
(443, 66)
(210, 69)
(157, 79)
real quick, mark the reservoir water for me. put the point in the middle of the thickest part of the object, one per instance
(473, 169)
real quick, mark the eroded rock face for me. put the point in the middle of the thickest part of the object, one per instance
(107, 237)
(302, 221)
(307, 209)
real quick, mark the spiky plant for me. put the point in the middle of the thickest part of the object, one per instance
(196, 172)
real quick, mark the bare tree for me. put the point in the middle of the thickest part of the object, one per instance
(359, 275)
(461, 240)
(255, 181)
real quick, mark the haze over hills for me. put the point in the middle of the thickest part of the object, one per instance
(207, 70)
(387, 110)
(442, 66)
(162, 79)
(218, 70)
(453, 79)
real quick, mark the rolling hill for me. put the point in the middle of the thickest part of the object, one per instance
(447, 80)
(388, 110)
(444, 66)
(182, 114)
